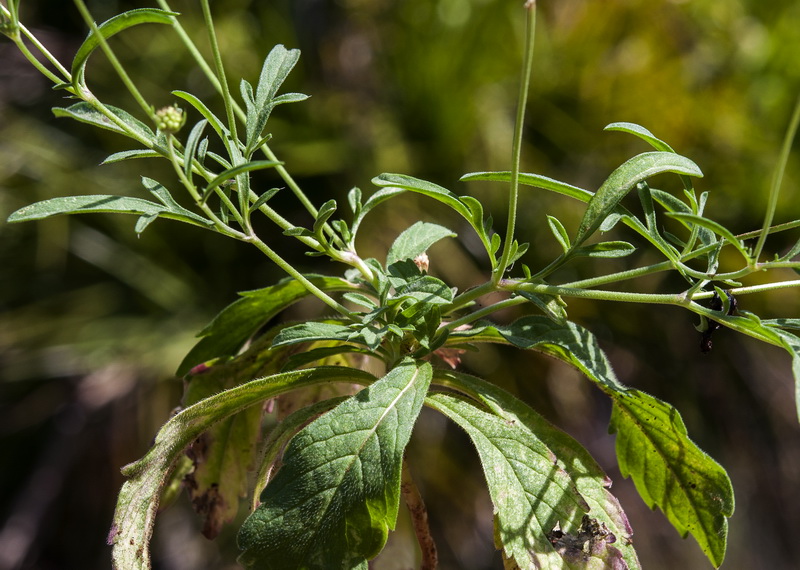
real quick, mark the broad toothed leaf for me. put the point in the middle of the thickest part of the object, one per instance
(336, 497)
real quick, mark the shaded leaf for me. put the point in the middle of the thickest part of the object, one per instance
(715, 227)
(240, 320)
(672, 473)
(559, 232)
(137, 502)
(337, 494)
(312, 331)
(130, 154)
(605, 249)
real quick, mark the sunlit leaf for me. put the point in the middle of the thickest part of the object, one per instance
(336, 497)
(85, 113)
(425, 188)
(416, 240)
(531, 494)
(635, 170)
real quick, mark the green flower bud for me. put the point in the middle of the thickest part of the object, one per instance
(170, 119)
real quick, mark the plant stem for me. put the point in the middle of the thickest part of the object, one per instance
(220, 69)
(513, 194)
(419, 519)
(777, 178)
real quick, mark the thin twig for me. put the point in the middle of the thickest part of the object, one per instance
(419, 518)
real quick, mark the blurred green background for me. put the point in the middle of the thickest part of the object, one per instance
(94, 321)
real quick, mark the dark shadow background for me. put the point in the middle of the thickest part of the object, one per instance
(93, 320)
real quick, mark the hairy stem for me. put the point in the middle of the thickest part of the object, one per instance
(513, 194)
(419, 519)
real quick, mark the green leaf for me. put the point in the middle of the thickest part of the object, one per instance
(552, 307)
(591, 481)
(84, 113)
(336, 497)
(642, 133)
(237, 170)
(635, 170)
(425, 188)
(715, 227)
(416, 240)
(651, 427)
(559, 232)
(605, 249)
(102, 203)
(240, 320)
(277, 66)
(312, 331)
(192, 146)
(130, 154)
(672, 473)
(138, 500)
(535, 180)
(377, 198)
(531, 493)
(111, 27)
(222, 456)
(215, 122)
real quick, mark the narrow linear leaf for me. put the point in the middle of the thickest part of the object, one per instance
(232, 173)
(100, 203)
(113, 26)
(616, 186)
(642, 133)
(215, 122)
(138, 499)
(416, 240)
(377, 198)
(531, 494)
(425, 188)
(336, 497)
(605, 249)
(192, 145)
(129, 155)
(240, 320)
(715, 227)
(85, 113)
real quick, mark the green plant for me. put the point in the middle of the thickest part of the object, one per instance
(337, 493)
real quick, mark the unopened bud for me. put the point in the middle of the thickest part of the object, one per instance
(170, 119)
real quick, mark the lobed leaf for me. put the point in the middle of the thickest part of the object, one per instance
(336, 497)
(671, 472)
(651, 427)
(602, 550)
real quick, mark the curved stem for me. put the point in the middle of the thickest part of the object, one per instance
(220, 70)
(419, 519)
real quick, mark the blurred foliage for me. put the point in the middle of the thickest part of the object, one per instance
(93, 321)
